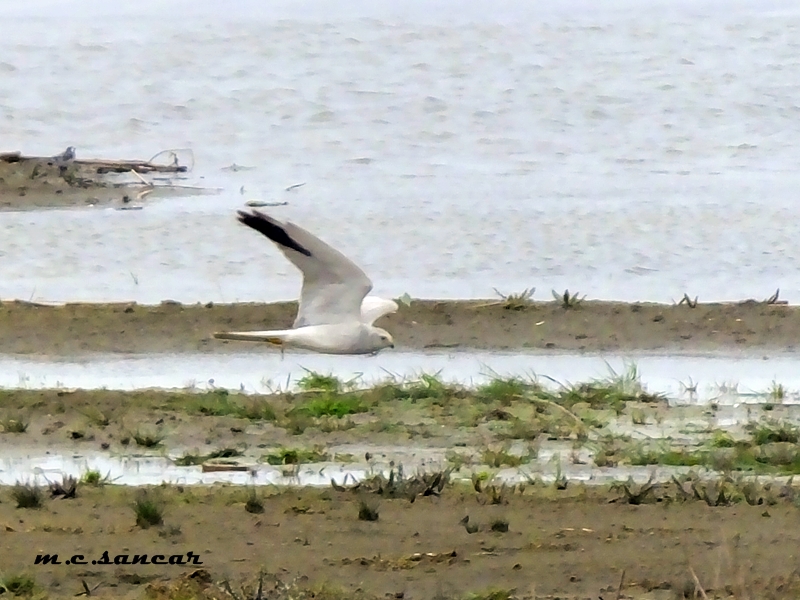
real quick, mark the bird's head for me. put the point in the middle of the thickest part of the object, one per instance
(382, 338)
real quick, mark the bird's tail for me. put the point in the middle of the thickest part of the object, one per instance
(277, 337)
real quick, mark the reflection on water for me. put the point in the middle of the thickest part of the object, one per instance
(558, 459)
(630, 150)
(723, 379)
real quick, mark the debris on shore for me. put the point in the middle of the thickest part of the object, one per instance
(65, 179)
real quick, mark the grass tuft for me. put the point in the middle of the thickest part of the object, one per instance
(18, 585)
(499, 525)
(147, 438)
(218, 403)
(505, 391)
(13, 425)
(254, 503)
(426, 387)
(519, 301)
(332, 406)
(293, 456)
(610, 393)
(94, 478)
(367, 511)
(568, 301)
(317, 382)
(777, 392)
(27, 495)
(188, 460)
(96, 417)
(503, 458)
(149, 510)
(670, 457)
(771, 432)
(722, 439)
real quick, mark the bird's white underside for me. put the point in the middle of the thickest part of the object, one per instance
(335, 315)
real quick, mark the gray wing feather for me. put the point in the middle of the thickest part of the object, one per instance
(333, 286)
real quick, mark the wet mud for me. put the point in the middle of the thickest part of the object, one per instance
(593, 326)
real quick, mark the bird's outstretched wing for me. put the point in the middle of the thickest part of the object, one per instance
(373, 308)
(333, 286)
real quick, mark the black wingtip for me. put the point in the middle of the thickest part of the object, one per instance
(270, 228)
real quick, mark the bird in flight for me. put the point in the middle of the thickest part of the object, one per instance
(335, 315)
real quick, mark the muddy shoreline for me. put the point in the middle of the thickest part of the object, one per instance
(593, 326)
(540, 540)
(32, 183)
(569, 544)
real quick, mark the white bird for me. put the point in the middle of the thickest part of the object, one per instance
(335, 315)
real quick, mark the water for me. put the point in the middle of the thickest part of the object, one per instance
(627, 151)
(39, 467)
(731, 392)
(721, 379)
(632, 151)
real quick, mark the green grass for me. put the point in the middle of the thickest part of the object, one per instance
(504, 391)
(297, 422)
(610, 393)
(95, 417)
(777, 392)
(93, 478)
(333, 406)
(256, 410)
(317, 382)
(426, 387)
(671, 458)
(768, 433)
(323, 401)
(502, 458)
(293, 456)
(13, 425)
(722, 454)
(18, 585)
(188, 460)
(610, 450)
(219, 403)
(722, 439)
(531, 429)
(149, 510)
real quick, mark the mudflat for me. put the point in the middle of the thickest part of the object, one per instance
(31, 183)
(465, 540)
(538, 542)
(75, 329)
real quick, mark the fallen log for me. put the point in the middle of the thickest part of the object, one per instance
(125, 166)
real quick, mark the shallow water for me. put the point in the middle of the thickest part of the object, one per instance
(721, 379)
(627, 151)
(39, 467)
(554, 459)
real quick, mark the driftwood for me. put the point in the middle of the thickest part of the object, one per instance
(125, 166)
(101, 166)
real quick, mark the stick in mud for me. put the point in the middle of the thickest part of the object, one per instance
(101, 166)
